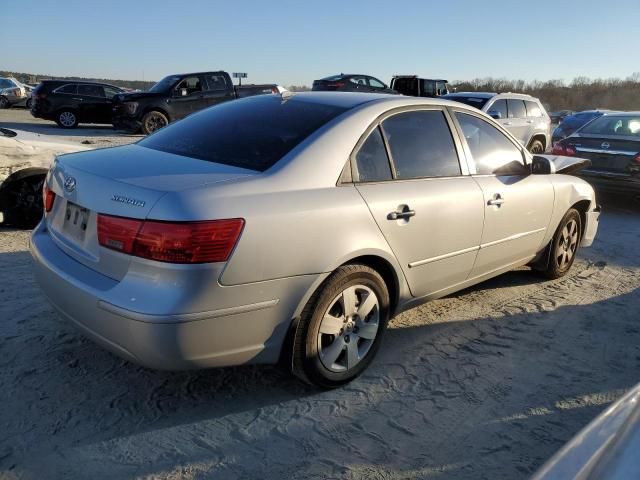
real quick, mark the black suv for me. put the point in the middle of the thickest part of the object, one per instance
(176, 96)
(414, 86)
(351, 83)
(69, 103)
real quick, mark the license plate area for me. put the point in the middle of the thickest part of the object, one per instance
(76, 219)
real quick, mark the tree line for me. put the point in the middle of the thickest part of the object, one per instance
(581, 93)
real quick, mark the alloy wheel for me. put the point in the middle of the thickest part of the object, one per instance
(568, 244)
(348, 328)
(67, 119)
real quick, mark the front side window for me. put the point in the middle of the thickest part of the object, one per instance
(421, 145)
(493, 153)
(499, 107)
(517, 109)
(253, 133)
(91, 90)
(372, 163)
(375, 83)
(110, 92)
(189, 85)
(70, 88)
(533, 110)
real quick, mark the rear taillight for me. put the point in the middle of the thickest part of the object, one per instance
(172, 242)
(48, 197)
(566, 150)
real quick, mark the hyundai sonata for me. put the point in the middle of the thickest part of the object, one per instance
(295, 226)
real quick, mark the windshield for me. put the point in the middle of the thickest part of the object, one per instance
(477, 102)
(253, 133)
(614, 125)
(165, 84)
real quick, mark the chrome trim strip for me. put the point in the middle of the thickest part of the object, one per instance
(442, 257)
(512, 237)
(611, 152)
(184, 317)
(473, 249)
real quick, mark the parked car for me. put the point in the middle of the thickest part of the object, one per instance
(12, 92)
(176, 96)
(559, 116)
(226, 239)
(523, 115)
(413, 86)
(25, 158)
(612, 143)
(573, 123)
(606, 448)
(69, 103)
(351, 83)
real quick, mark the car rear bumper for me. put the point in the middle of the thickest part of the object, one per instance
(248, 332)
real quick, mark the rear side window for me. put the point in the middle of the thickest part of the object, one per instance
(91, 90)
(252, 133)
(517, 109)
(372, 163)
(499, 106)
(493, 153)
(69, 88)
(421, 145)
(216, 81)
(533, 110)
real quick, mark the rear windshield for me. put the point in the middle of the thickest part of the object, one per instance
(614, 125)
(253, 133)
(477, 102)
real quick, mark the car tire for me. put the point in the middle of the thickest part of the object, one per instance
(564, 245)
(21, 202)
(4, 102)
(536, 147)
(341, 327)
(152, 121)
(29, 103)
(67, 119)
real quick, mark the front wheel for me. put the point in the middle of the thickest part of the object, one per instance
(564, 245)
(153, 121)
(4, 102)
(341, 327)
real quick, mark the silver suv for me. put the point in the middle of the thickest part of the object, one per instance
(523, 115)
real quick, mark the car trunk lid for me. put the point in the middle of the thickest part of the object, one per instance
(121, 182)
(608, 154)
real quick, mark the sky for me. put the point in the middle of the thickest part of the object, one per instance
(295, 42)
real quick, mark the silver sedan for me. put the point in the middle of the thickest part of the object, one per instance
(295, 226)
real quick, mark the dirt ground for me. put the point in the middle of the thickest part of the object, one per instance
(484, 384)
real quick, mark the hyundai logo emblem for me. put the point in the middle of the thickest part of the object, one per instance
(69, 184)
(605, 145)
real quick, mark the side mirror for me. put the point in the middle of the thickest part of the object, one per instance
(495, 114)
(541, 166)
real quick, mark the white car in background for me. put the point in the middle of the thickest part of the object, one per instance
(12, 92)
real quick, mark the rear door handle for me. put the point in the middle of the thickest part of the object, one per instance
(497, 200)
(403, 214)
(79, 99)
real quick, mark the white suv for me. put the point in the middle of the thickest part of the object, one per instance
(523, 115)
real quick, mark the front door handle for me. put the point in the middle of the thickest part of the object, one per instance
(405, 214)
(497, 200)
(78, 99)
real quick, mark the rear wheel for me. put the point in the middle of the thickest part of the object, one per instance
(4, 102)
(29, 103)
(67, 119)
(341, 327)
(153, 121)
(564, 246)
(536, 147)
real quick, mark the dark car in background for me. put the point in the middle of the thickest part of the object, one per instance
(351, 83)
(176, 96)
(573, 122)
(612, 144)
(414, 86)
(69, 103)
(560, 115)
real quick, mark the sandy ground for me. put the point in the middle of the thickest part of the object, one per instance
(487, 383)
